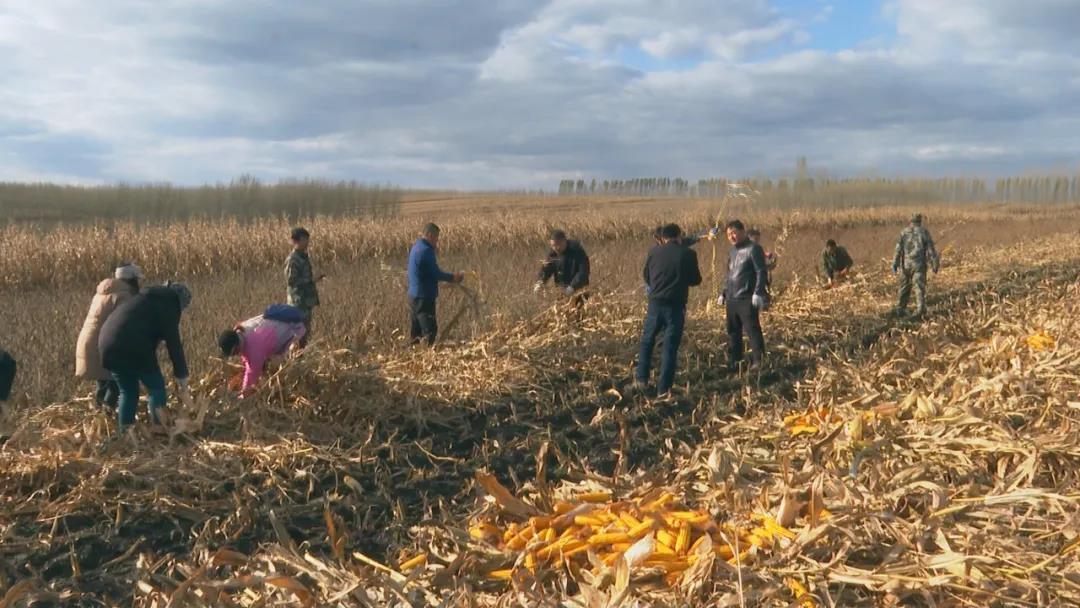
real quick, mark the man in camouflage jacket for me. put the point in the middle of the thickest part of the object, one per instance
(302, 290)
(915, 252)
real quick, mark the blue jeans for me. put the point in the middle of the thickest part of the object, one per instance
(669, 319)
(129, 393)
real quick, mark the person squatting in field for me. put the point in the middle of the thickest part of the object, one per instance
(424, 277)
(835, 262)
(257, 339)
(128, 344)
(671, 269)
(110, 294)
(745, 295)
(303, 291)
(915, 251)
(567, 265)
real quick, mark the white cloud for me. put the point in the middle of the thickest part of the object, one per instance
(508, 93)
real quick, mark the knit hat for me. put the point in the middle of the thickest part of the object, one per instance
(182, 292)
(128, 272)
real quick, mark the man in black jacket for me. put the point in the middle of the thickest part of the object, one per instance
(745, 295)
(567, 263)
(670, 271)
(129, 340)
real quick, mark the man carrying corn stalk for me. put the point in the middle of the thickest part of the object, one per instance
(303, 293)
(915, 251)
(745, 295)
(424, 278)
(836, 263)
(671, 269)
(568, 264)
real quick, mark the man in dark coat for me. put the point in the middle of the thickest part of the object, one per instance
(671, 269)
(745, 295)
(7, 374)
(129, 341)
(567, 263)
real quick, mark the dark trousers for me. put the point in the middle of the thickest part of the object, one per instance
(128, 381)
(424, 325)
(743, 317)
(669, 319)
(107, 393)
(308, 312)
(7, 374)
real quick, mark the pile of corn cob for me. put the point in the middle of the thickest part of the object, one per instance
(655, 532)
(1041, 340)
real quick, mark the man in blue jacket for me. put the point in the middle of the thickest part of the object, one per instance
(424, 278)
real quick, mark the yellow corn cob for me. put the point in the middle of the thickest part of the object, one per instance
(665, 537)
(567, 544)
(610, 558)
(669, 566)
(562, 508)
(522, 538)
(641, 529)
(548, 535)
(660, 502)
(588, 520)
(510, 532)
(723, 551)
(595, 497)
(503, 575)
(485, 532)
(801, 594)
(609, 538)
(621, 547)
(694, 517)
(530, 562)
(568, 553)
(682, 541)
(629, 520)
(409, 564)
(540, 522)
(742, 558)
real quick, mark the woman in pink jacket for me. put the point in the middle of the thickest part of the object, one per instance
(110, 294)
(262, 337)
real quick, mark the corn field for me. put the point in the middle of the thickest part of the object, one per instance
(873, 461)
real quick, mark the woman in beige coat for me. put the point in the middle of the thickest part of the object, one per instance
(110, 294)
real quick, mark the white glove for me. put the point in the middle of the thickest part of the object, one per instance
(721, 301)
(569, 290)
(182, 384)
(538, 286)
(759, 302)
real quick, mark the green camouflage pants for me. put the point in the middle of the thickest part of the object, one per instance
(913, 277)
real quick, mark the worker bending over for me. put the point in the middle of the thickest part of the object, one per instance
(566, 263)
(259, 338)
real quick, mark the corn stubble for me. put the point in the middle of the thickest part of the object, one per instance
(876, 462)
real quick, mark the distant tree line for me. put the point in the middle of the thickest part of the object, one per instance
(842, 192)
(242, 198)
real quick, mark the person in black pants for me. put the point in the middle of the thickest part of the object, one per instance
(745, 295)
(7, 374)
(424, 277)
(671, 269)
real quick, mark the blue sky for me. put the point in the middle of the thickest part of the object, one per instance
(522, 93)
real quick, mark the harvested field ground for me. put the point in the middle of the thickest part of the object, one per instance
(944, 454)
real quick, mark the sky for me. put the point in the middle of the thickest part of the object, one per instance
(522, 93)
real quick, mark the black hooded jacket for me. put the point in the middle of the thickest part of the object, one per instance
(570, 268)
(130, 336)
